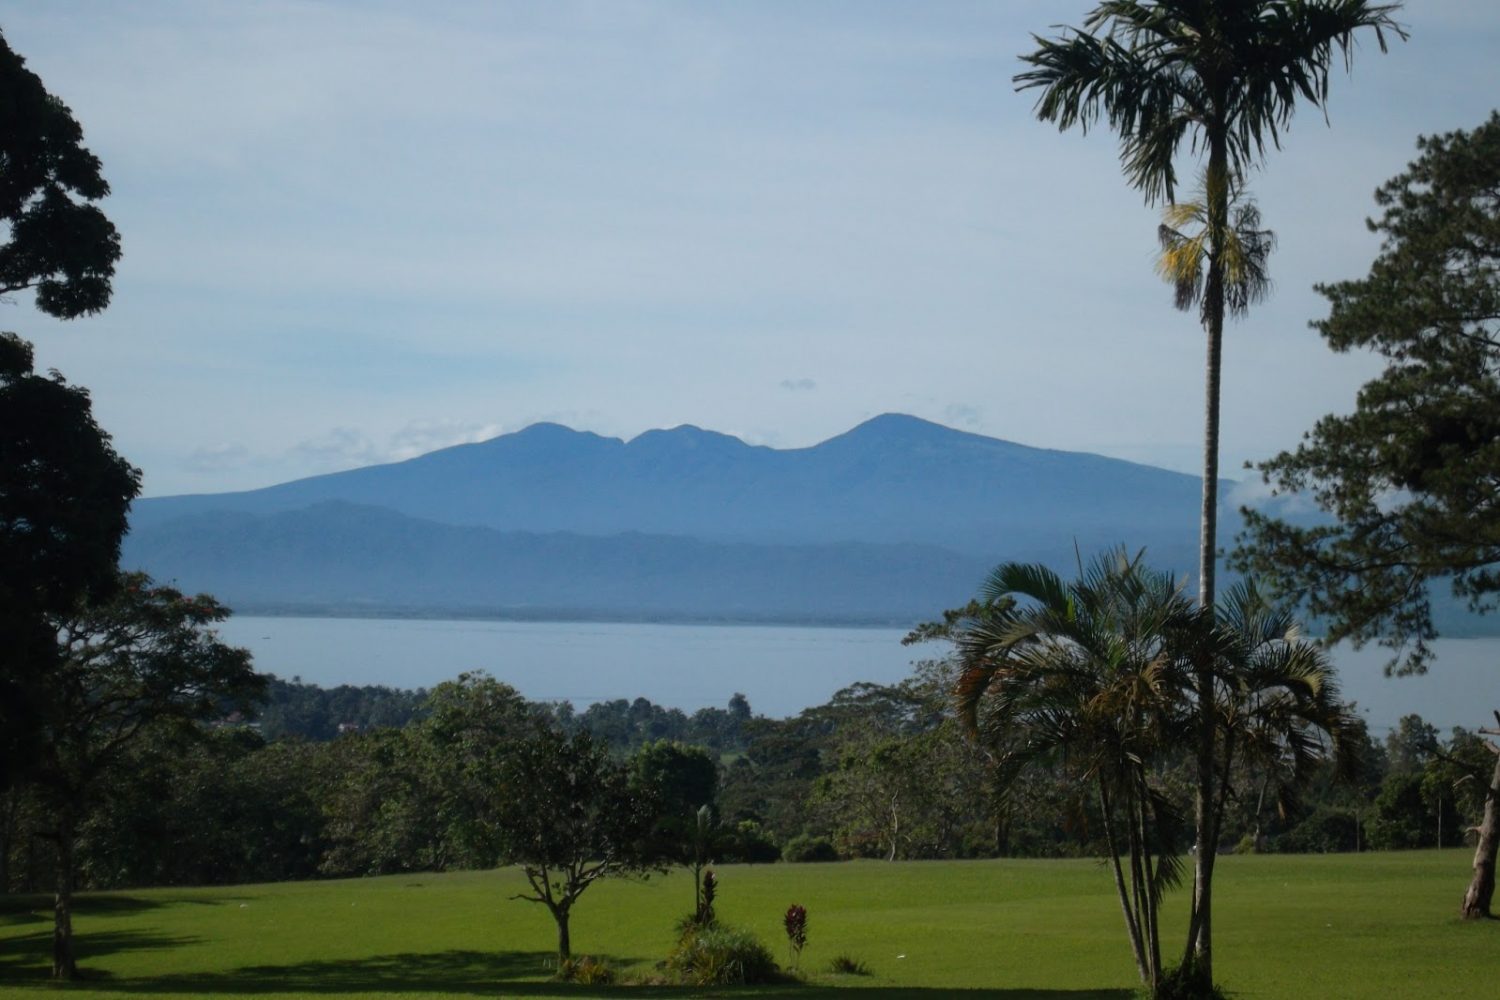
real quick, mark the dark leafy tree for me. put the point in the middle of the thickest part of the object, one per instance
(64, 493)
(457, 752)
(382, 806)
(684, 783)
(567, 814)
(58, 243)
(1410, 478)
(145, 659)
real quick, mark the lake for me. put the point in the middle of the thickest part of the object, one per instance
(781, 669)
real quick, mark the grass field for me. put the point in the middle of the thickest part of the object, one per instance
(1373, 925)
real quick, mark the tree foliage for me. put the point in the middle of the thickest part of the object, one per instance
(1097, 679)
(64, 493)
(1088, 677)
(58, 243)
(146, 659)
(1410, 478)
(568, 815)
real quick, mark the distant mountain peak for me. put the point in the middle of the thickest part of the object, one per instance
(685, 439)
(906, 431)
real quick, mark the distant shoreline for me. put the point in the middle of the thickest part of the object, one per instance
(1479, 628)
(567, 615)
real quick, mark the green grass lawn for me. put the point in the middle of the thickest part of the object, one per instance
(1373, 925)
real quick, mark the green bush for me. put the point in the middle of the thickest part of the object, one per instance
(805, 847)
(720, 956)
(747, 842)
(844, 965)
(587, 971)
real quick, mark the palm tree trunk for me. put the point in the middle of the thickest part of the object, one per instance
(1131, 927)
(1200, 935)
(1152, 928)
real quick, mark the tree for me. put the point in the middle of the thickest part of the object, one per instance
(1408, 479)
(1223, 78)
(64, 493)
(1098, 677)
(567, 814)
(1276, 710)
(456, 755)
(1087, 676)
(683, 781)
(62, 249)
(145, 659)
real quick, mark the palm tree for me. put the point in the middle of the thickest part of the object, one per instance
(1086, 676)
(1241, 255)
(1223, 77)
(1277, 709)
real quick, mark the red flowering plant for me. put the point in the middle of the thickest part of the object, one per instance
(796, 931)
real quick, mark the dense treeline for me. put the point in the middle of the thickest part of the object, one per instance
(355, 781)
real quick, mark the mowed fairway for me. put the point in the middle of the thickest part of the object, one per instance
(1373, 925)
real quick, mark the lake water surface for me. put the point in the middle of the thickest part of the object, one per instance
(781, 669)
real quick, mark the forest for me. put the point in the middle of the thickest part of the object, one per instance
(346, 781)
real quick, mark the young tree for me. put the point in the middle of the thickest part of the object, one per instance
(146, 659)
(1409, 477)
(57, 244)
(567, 814)
(1225, 79)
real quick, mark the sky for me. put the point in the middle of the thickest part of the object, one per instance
(358, 231)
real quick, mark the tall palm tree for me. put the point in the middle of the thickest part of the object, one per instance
(1223, 77)
(1085, 676)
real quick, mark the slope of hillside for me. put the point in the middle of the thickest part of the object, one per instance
(342, 557)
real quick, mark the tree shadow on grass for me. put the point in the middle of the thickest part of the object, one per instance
(29, 956)
(511, 973)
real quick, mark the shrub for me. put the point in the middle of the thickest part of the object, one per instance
(720, 956)
(747, 842)
(805, 847)
(844, 965)
(587, 971)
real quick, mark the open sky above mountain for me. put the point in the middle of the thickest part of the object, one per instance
(358, 231)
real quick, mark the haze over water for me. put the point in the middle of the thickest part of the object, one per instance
(781, 669)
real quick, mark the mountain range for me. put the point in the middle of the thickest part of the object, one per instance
(892, 521)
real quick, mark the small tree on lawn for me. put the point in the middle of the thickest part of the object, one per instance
(568, 816)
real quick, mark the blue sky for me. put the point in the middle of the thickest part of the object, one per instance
(356, 231)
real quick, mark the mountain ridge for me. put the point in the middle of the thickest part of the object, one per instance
(893, 478)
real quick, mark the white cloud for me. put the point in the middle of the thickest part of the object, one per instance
(217, 458)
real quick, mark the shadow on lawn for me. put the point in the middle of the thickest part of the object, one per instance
(29, 956)
(512, 974)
